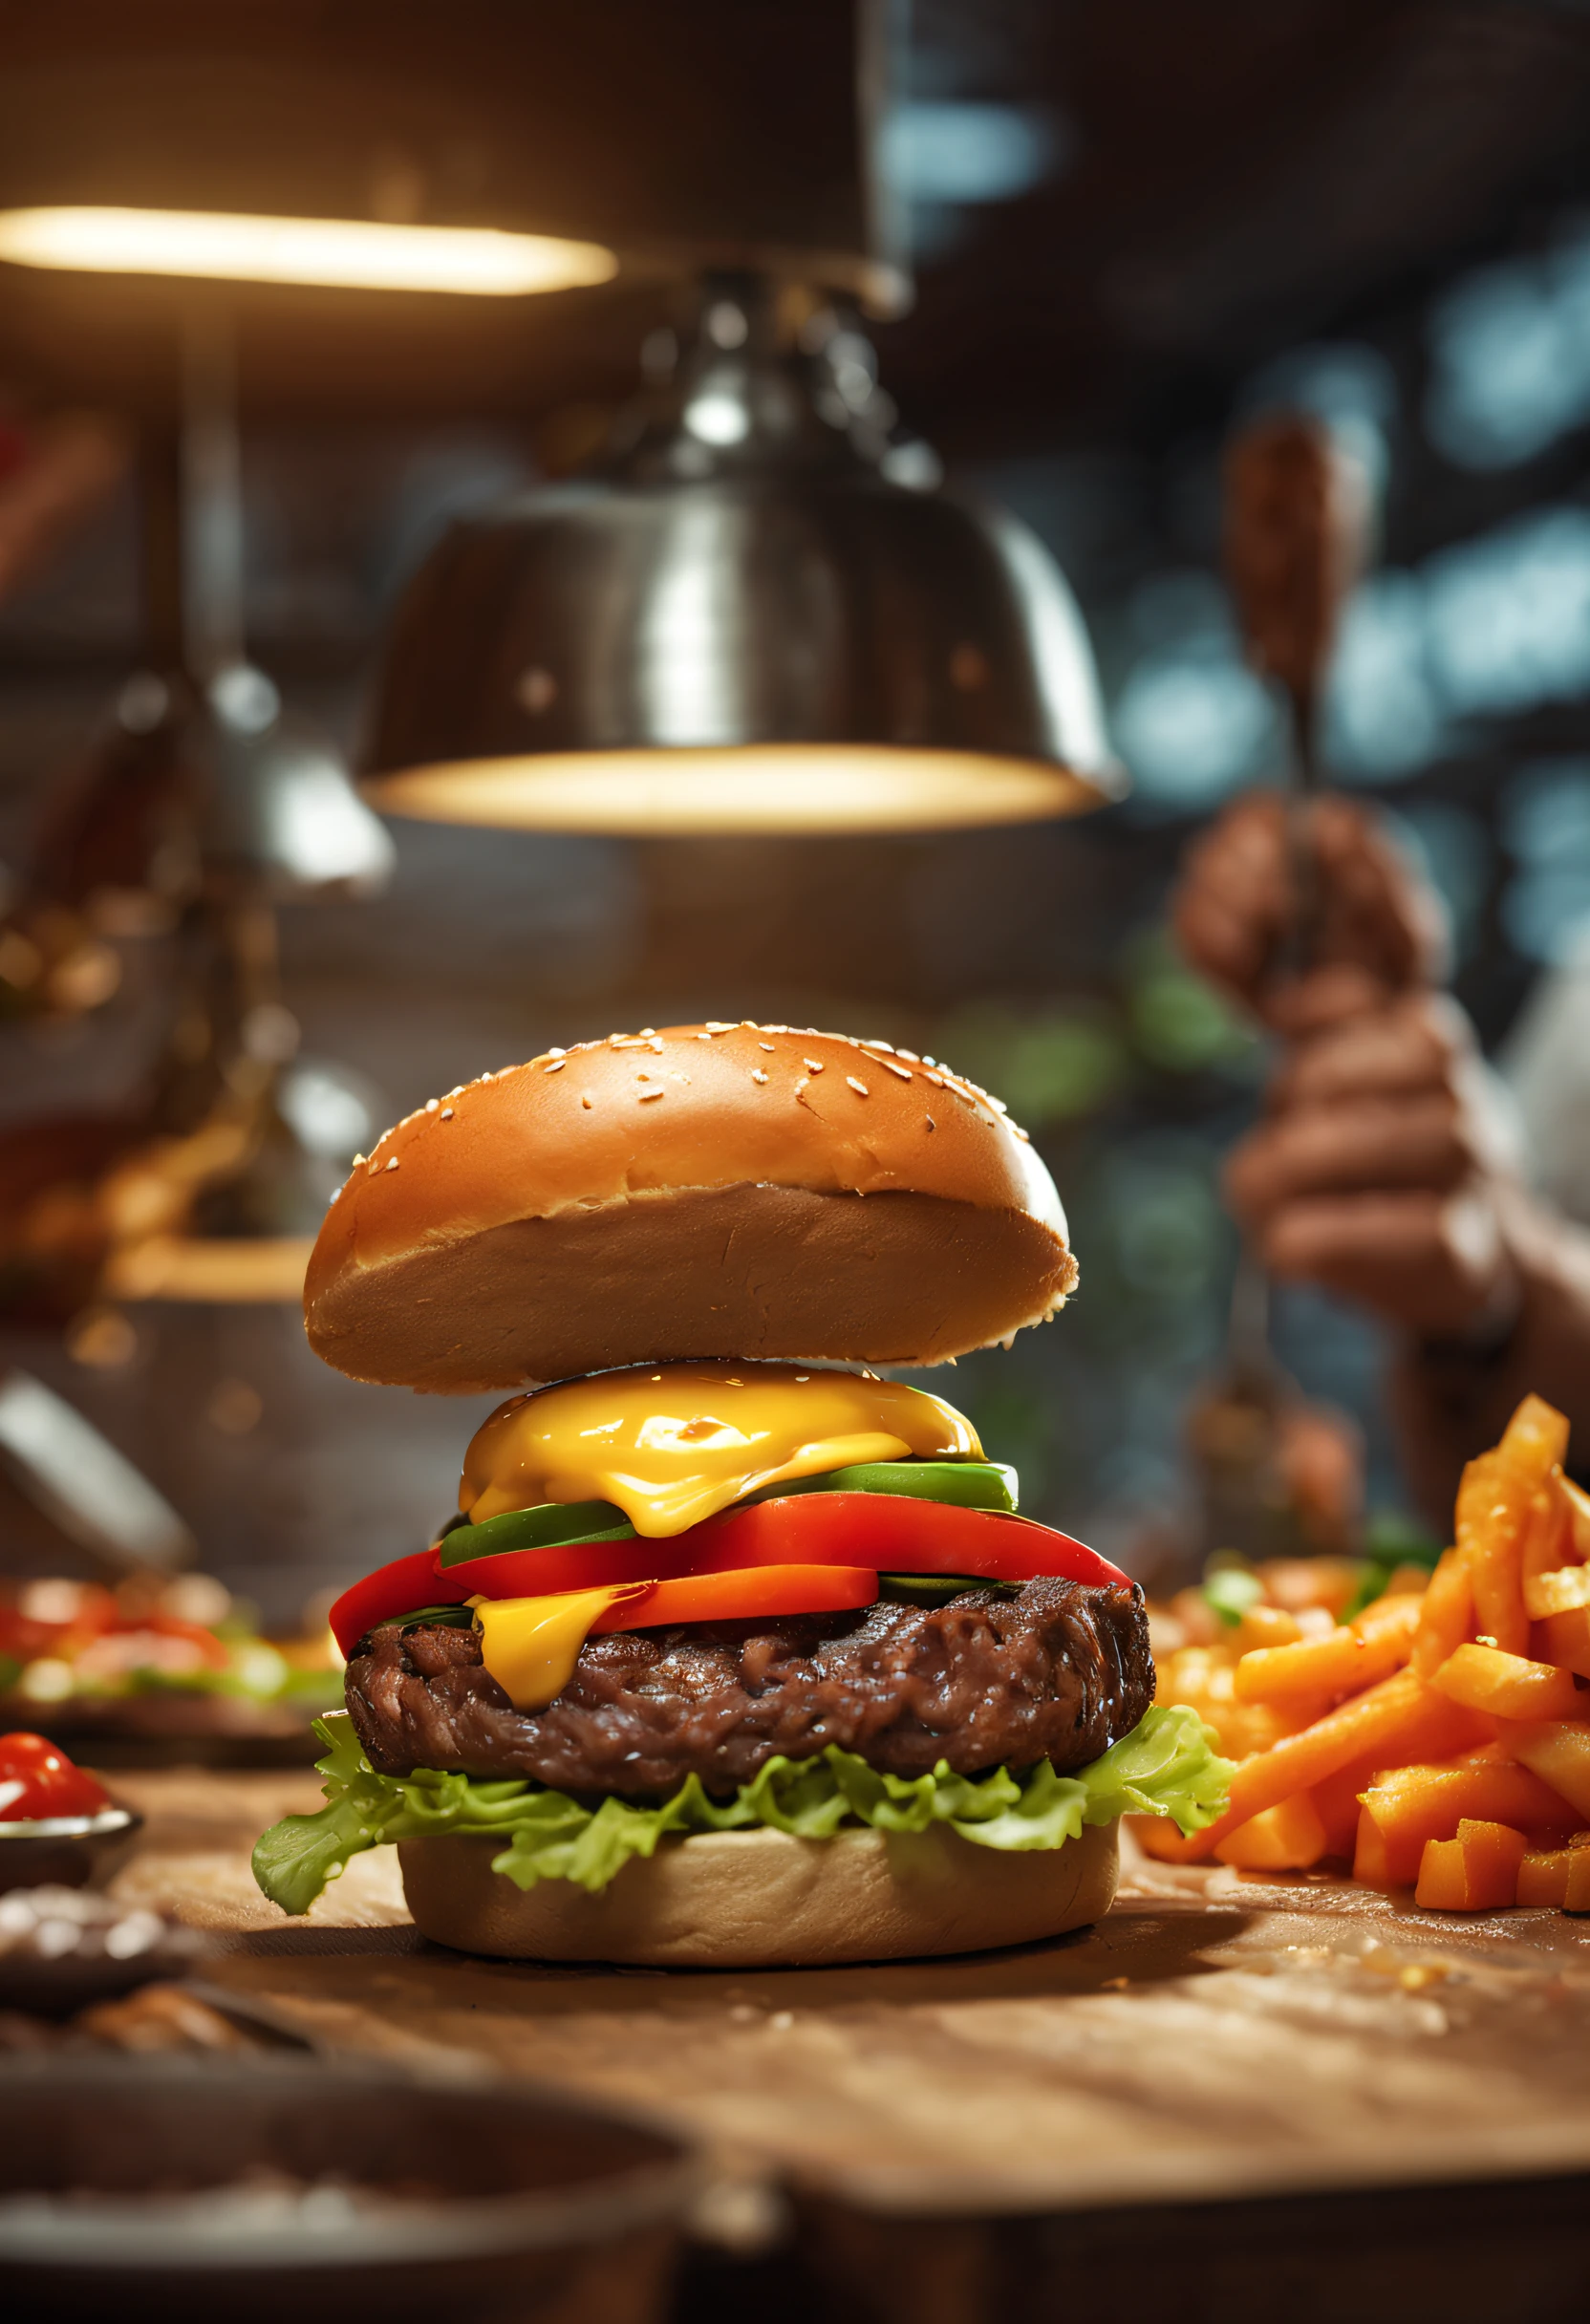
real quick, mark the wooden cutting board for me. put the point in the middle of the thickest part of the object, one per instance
(1217, 2038)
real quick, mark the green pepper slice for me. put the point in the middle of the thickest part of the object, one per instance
(966, 1484)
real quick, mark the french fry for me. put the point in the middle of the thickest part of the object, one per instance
(1287, 1838)
(1563, 1639)
(1399, 1720)
(1266, 1625)
(1559, 1752)
(1475, 1872)
(1534, 1441)
(1508, 1686)
(1576, 1501)
(1446, 1613)
(1337, 1799)
(1548, 1541)
(1362, 1651)
(1490, 1518)
(1563, 1589)
(1409, 1806)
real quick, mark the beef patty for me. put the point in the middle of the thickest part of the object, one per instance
(1057, 1672)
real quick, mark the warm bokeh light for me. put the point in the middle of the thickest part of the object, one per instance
(771, 788)
(340, 253)
(210, 1269)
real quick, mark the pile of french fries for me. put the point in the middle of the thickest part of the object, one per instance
(1440, 1737)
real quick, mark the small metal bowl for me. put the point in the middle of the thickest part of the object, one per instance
(324, 2190)
(66, 1851)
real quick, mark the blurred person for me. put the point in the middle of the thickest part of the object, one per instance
(1392, 1167)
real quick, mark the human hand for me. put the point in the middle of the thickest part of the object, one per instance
(1380, 927)
(1383, 1168)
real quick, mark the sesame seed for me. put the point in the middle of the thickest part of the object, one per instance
(392, 1163)
(756, 1074)
(657, 1042)
(648, 1032)
(358, 1158)
(887, 1046)
(1021, 1134)
(900, 1072)
(929, 1061)
(860, 1088)
(812, 1064)
(717, 1024)
(910, 1055)
(765, 1044)
(557, 1052)
(485, 1077)
(446, 1114)
(586, 1103)
(704, 1036)
(556, 1067)
(936, 1079)
(431, 1104)
(646, 1094)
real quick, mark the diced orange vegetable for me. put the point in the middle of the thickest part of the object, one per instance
(1287, 1838)
(1543, 1877)
(1409, 1806)
(1475, 1872)
(1400, 1719)
(1446, 1613)
(1371, 1857)
(1559, 1752)
(1369, 1648)
(1508, 1685)
(1158, 1838)
(1563, 1639)
(1535, 1439)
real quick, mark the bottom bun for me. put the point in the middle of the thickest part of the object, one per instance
(754, 1900)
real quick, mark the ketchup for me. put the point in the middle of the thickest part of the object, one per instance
(37, 1780)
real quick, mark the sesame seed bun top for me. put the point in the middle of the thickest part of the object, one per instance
(717, 1190)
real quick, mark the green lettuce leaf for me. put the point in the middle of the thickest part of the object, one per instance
(1167, 1766)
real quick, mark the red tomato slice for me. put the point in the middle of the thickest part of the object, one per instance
(399, 1588)
(885, 1532)
(872, 1532)
(38, 1781)
(743, 1594)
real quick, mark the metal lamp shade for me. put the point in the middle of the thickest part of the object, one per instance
(742, 623)
(750, 655)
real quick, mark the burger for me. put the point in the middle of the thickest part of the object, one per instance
(737, 1652)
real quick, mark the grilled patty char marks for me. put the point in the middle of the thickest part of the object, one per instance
(1059, 1672)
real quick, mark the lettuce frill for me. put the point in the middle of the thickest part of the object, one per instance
(1167, 1766)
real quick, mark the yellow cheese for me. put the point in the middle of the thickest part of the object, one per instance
(671, 1444)
(530, 1644)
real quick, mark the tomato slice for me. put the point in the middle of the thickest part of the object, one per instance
(743, 1594)
(877, 1531)
(393, 1589)
(867, 1532)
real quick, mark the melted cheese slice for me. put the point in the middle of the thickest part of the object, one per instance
(672, 1444)
(530, 1644)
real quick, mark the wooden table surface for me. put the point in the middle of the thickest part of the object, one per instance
(1217, 2036)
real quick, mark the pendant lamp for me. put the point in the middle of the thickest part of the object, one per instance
(743, 620)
